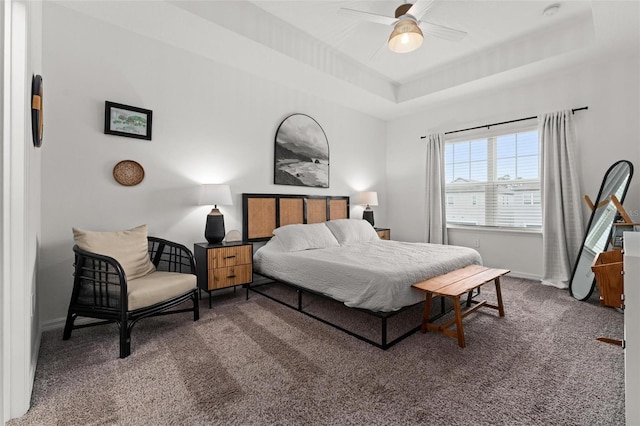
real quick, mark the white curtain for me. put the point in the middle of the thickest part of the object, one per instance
(436, 222)
(562, 226)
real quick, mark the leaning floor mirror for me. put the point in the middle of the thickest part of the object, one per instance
(598, 233)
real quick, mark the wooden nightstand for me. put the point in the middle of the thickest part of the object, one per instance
(223, 265)
(383, 233)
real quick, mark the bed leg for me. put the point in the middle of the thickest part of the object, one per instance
(469, 298)
(426, 314)
(299, 300)
(384, 332)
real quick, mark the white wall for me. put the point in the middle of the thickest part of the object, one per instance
(3, 285)
(631, 329)
(20, 206)
(607, 132)
(211, 124)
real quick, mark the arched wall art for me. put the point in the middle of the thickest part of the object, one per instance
(301, 153)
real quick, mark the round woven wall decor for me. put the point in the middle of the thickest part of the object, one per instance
(128, 173)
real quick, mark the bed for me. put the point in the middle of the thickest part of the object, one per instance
(313, 246)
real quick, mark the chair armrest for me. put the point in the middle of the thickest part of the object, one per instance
(99, 281)
(168, 256)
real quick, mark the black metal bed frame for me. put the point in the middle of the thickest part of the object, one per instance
(256, 284)
(383, 316)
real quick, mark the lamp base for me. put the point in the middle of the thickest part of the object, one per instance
(214, 231)
(368, 216)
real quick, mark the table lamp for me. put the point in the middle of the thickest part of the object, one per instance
(215, 194)
(368, 199)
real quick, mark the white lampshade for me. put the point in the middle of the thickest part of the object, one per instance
(405, 37)
(213, 194)
(368, 198)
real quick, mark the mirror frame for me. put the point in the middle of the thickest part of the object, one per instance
(593, 213)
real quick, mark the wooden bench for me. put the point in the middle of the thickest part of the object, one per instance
(453, 285)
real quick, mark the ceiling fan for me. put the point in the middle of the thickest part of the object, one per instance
(407, 34)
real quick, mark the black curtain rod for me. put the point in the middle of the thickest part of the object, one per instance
(503, 122)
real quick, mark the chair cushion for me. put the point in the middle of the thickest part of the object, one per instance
(130, 248)
(157, 287)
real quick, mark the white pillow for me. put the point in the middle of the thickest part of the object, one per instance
(299, 237)
(130, 248)
(348, 231)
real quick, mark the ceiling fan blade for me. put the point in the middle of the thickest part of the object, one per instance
(373, 17)
(419, 8)
(442, 32)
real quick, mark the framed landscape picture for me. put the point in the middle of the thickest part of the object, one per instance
(126, 120)
(301, 153)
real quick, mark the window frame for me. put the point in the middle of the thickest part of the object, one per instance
(489, 133)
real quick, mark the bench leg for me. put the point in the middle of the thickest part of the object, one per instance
(426, 313)
(459, 329)
(499, 296)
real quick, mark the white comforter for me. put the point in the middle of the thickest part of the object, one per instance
(374, 275)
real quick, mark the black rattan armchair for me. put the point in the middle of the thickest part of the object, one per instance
(101, 290)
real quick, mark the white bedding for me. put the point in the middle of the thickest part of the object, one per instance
(375, 275)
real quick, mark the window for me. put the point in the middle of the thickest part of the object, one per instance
(495, 181)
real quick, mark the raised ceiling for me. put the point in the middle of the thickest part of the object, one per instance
(309, 45)
(488, 23)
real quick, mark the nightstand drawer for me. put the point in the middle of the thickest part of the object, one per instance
(230, 276)
(229, 256)
(222, 265)
(384, 233)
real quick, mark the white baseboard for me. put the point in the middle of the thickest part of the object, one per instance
(34, 361)
(518, 274)
(58, 323)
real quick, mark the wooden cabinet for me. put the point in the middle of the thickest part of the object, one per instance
(384, 233)
(223, 265)
(607, 268)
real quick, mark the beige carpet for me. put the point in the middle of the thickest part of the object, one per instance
(257, 362)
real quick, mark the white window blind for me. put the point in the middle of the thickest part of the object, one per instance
(494, 181)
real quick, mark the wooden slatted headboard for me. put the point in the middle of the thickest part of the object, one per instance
(262, 213)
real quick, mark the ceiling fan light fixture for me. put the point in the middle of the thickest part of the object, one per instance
(405, 37)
